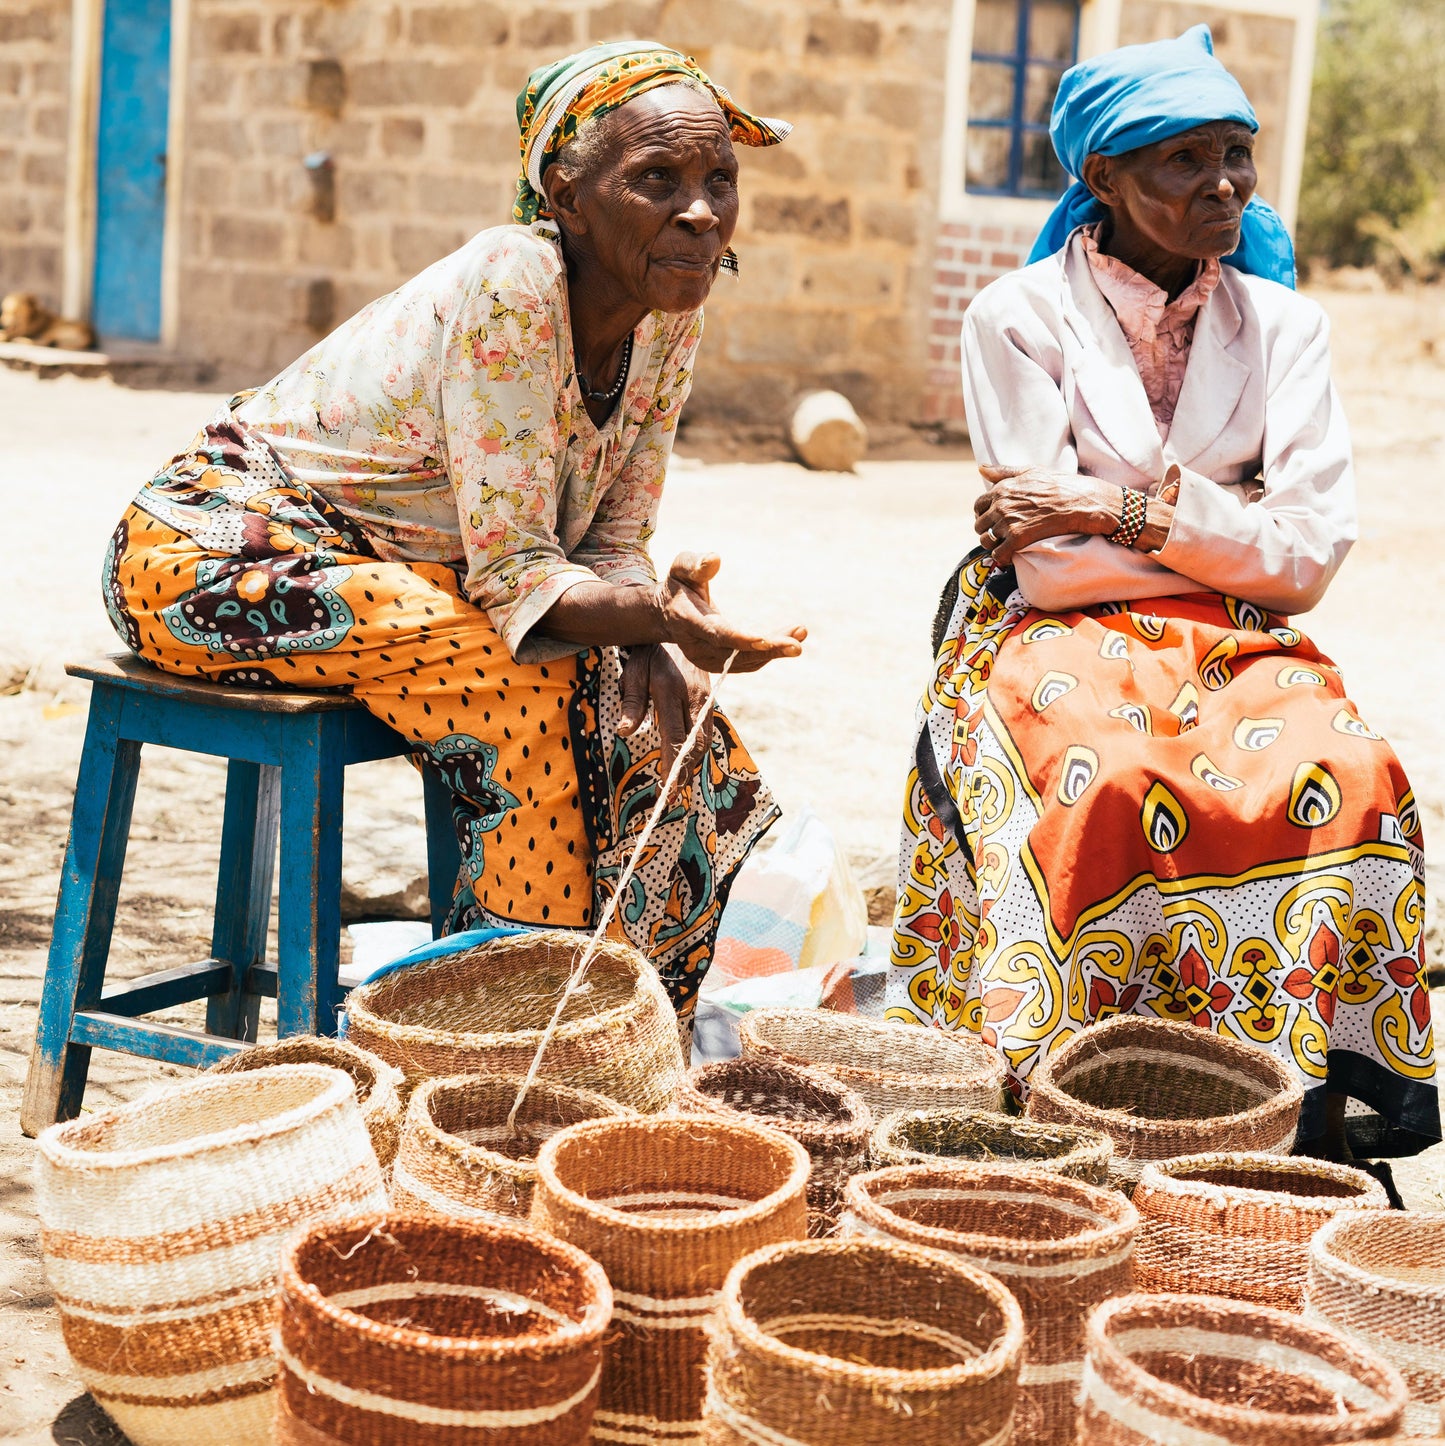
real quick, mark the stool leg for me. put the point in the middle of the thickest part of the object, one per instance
(309, 907)
(443, 856)
(84, 913)
(243, 892)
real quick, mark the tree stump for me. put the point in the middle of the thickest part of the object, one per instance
(827, 433)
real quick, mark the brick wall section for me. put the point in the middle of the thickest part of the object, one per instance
(34, 115)
(970, 255)
(414, 105)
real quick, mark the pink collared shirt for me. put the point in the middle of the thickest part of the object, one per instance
(1159, 331)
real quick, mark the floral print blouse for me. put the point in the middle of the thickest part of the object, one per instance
(447, 420)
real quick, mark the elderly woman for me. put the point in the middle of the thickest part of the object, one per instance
(444, 508)
(1138, 787)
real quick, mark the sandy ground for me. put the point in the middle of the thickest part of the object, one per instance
(859, 559)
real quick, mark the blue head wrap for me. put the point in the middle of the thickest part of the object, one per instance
(1140, 94)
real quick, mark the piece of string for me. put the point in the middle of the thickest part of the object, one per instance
(579, 971)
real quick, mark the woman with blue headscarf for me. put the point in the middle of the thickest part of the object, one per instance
(1138, 787)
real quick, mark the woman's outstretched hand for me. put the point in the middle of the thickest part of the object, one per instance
(704, 635)
(1027, 504)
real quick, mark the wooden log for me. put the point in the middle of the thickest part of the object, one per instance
(827, 433)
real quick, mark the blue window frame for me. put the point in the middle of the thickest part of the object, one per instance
(1020, 50)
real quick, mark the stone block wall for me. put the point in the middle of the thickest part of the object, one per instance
(413, 105)
(34, 117)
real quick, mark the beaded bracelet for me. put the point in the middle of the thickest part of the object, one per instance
(1131, 523)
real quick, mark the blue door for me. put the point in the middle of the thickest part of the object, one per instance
(130, 212)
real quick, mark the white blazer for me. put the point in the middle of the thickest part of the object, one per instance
(1049, 381)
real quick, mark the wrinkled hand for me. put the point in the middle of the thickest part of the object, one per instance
(1024, 505)
(662, 679)
(705, 637)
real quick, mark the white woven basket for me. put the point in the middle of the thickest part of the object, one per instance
(161, 1225)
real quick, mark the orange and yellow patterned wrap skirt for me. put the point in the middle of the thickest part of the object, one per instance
(225, 567)
(1168, 807)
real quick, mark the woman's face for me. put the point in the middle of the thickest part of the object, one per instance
(1183, 196)
(658, 206)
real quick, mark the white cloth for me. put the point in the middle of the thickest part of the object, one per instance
(1049, 381)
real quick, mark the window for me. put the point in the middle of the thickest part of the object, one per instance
(1020, 49)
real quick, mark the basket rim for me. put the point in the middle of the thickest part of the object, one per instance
(988, 1067)
(1323, 1256)
(1163, 1176)
(1115, 1234)
(1088, 1143)
(593, 1325)
(1097, 1038)
(419, 1122)
(741, 1217)
(1375, 1373)
(358, 1001)
(858, 1119)
(335, 1088)
(1006, 1350)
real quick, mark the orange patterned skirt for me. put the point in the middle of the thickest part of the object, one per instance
(1168, 807)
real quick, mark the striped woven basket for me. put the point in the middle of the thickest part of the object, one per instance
(1380, 1278)
(460, 1158)
(405, 1330)
(861, 1343)
(1239, 1225)
(1200, 1371)
(986, 1137)
(1160, 1090)
(667, 1206)
(893, 1066)
(161, 1225)
(1059, 1245)
(483, 1010)
(827, 1119)
(378, 1085)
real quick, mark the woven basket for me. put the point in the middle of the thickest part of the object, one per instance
(667, 1206)
(860, 1343)
(483, 1010)
(827, 1119)
(412, 1331)
(378, 1085)
(985, 1137)
(458, 1156)
(1161, 1090)
(893, 1066)
(1240, 1225)
(1381, 1280)
(161, 1224)
(1059, 1245)
(1209, 1372)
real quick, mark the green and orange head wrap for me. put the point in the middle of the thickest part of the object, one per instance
(559, 98)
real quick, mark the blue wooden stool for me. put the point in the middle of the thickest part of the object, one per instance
(287, 753)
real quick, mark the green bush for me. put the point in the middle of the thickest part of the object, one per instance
(1374, 176)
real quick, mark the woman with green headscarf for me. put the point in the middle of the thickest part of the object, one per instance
(445, 506)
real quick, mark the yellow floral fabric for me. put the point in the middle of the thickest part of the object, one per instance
(446, 420)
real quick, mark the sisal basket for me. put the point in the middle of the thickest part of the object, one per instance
(1240, 1225)
(893, 1066)
(1381, 1280)
(459, 1157)
(826, 1118)
(667, 1206)
(1199, 1370)
(860, 1343)
(484, 1010)
(412, 1331)
(1160, 1090)
(378, 1085)
(985, 1137)
(161, 1224)
(1061, 1246)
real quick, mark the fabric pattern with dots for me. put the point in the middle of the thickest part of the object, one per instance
(225, 567)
